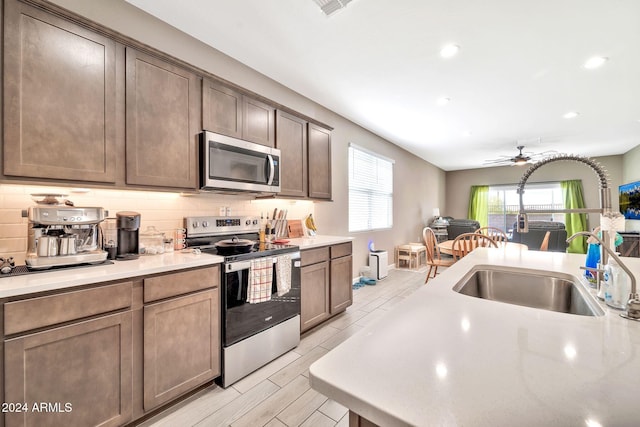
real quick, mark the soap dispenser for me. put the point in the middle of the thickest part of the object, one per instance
(617, 294)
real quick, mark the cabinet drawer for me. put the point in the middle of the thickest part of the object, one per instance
(313, 256)
(20, 316)
(173, 284)
(340, 250)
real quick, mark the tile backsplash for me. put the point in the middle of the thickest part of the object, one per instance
(165, 211)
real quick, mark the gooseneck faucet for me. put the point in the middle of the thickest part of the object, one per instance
(605, 196)
(633, 305)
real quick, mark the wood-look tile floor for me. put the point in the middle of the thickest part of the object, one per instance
(279, 394)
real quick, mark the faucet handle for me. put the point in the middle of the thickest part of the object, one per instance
(633, 308)
(523, 223)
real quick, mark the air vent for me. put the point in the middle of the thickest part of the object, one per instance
(331, 6)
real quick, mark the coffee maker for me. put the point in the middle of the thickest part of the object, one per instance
(60, 235)
(128, 224)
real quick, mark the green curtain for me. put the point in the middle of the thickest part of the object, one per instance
(573, 199)
(479, 204)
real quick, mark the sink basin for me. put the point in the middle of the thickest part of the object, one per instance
(531, 288)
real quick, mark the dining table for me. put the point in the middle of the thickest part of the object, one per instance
(446, 247)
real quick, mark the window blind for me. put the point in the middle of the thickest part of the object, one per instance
(370, 190)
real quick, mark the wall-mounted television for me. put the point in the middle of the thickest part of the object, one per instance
(630, 200)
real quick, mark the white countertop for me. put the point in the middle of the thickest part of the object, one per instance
(447, 359)
(318, 241)
(150, 264)
(68, 278)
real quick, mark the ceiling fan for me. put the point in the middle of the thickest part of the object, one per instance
(520, 159)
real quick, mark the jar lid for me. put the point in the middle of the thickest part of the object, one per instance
(151, 231)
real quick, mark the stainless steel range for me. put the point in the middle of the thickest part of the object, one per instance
(260, 286)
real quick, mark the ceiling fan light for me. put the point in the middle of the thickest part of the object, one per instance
(449, 50)
(520, 162)
(595, 62)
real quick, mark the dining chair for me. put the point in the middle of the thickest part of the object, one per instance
(465, 243)
(544, 246)
(434, 260)
(495, 233)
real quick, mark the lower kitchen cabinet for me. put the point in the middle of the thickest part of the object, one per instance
(341, 283)
(181, 345)
(314, 295)
(74, 375)
(110, 353)
(326, 283)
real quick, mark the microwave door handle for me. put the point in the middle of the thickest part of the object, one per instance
(271, 169)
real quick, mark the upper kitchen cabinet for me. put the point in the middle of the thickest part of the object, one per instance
(163, 107)
(229, 112)
(291, 140)
(319, 165)
(59, 98)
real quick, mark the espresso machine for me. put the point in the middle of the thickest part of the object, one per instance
(128, 224)
(64, 235)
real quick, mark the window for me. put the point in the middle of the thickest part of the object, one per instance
(504, 203)
(370, 190)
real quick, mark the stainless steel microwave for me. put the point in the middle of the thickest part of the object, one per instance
(231, 164)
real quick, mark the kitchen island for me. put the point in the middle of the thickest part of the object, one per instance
(444, 358)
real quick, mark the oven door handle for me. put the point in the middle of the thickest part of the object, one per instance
(241, 265)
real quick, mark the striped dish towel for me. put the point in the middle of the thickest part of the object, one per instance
(260, 280)
(283, 274)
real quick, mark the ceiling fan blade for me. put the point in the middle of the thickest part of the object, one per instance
(497, 161)
(522, 158)
(544, 154)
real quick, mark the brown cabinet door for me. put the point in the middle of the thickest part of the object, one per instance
(292, 142)
(258, 122)
(319, 156)
(341, 284)
(221, 109)
(81, 372)
(181, 345)
(314, 297)
(59, 98)
(163, 122)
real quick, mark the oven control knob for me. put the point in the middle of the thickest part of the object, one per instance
(205, 224)
(255, 222)
(195, 224)
(248, 222)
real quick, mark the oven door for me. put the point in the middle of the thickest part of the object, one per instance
(242, 319)
(233, 164)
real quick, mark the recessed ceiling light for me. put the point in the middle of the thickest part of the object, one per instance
(449, 50)
(444, 100)
(571, 115)
(595, 62)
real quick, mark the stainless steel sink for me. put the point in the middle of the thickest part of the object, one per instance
(531, 288)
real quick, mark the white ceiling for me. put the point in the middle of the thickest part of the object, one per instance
(377, 63)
